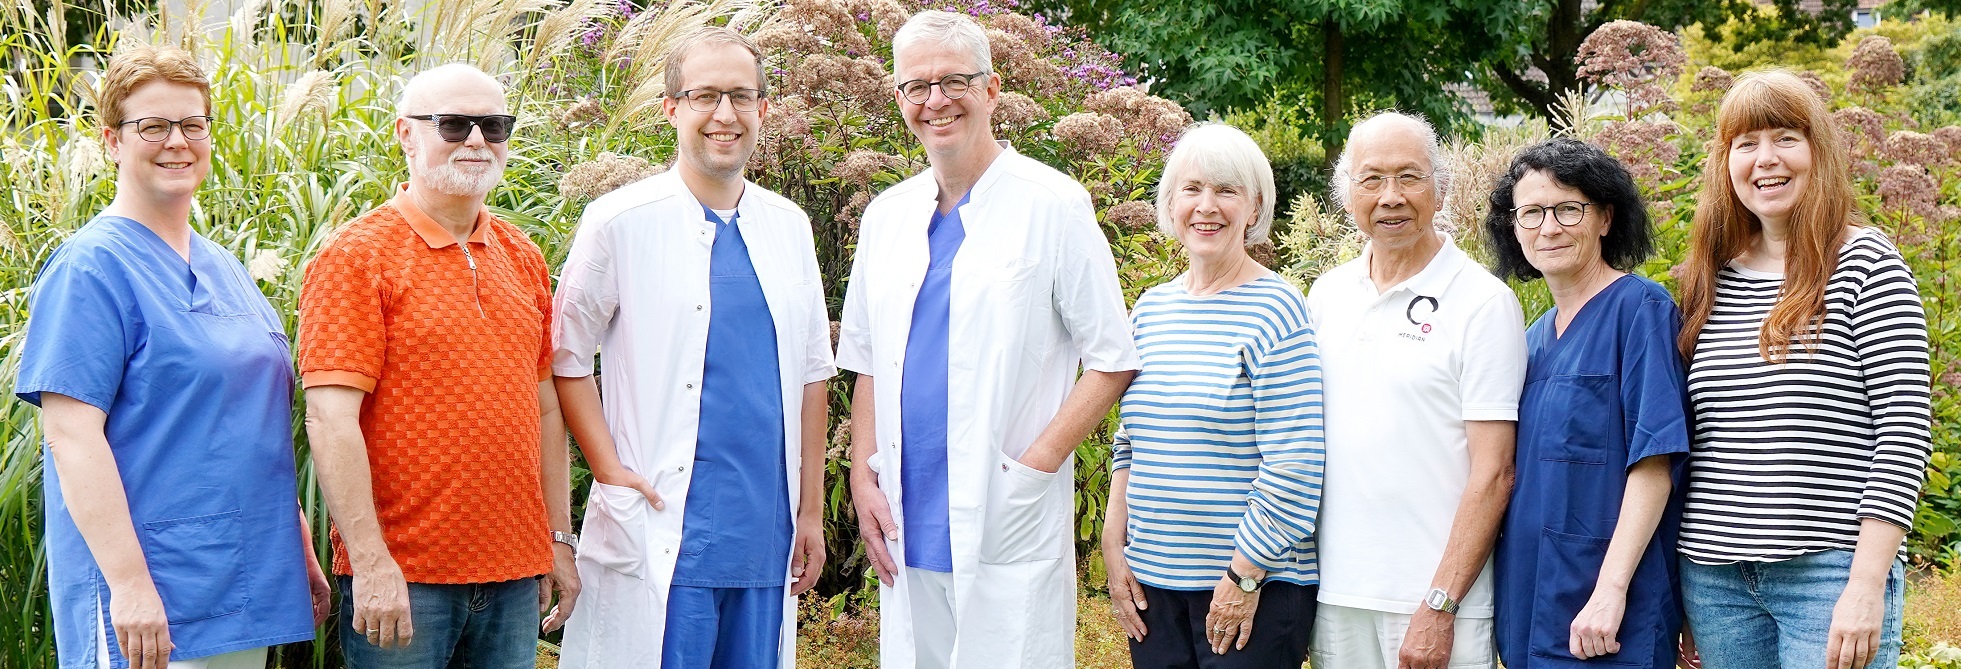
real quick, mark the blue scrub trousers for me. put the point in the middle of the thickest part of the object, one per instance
(722, 628)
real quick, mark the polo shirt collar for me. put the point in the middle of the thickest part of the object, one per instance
(1436, 275)
(428, 229)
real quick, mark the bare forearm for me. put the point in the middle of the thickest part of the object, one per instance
(578, 402)
(864, 435)
(810, 486)
(92, 488)
(1475, 528)
(554, 459)
(1879, 546)
(1642, 503)
(340, 453)
(1081, 412)
(1116, 511)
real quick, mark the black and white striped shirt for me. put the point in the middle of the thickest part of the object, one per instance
(1788, 458)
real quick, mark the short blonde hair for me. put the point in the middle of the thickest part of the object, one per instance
(1223, 155)
(136, 67)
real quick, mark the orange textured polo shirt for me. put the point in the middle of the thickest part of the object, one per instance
(450, 348)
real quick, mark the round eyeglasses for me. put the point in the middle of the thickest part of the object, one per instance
(953, 86)
(709, 99)
(1568, 213)
(157, 128)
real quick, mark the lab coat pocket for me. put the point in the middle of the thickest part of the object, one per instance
(615, 535)
(1591, 425)
(1021, 522)
(1569, 565)
(198, 565)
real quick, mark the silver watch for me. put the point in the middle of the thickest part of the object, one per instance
(1441, 601)
(566, 538)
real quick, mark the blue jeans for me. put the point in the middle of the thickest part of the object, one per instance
(1751, 615)
(468, 626)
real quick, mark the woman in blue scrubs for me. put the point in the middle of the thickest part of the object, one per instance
(165, 383)
(1586, 569)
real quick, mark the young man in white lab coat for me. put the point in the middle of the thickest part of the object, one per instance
(705, 519)
(979, 287)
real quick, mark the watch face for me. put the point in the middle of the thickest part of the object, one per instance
(1248, 584)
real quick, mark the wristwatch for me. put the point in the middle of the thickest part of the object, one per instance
(1246, 584)
(1441, 601)
(566, 538)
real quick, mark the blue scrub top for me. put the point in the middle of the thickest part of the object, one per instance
(736, 532)
(922, 402)
(193, 370)
(1608, 393)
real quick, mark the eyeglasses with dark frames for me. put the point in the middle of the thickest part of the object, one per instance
(456, 127)
(953, 86)
(156, 128)
(709, 99)
(1568, 213)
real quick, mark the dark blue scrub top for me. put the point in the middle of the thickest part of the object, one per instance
(922, 402)
(192, 367)
(1606, 394)
(736, 532)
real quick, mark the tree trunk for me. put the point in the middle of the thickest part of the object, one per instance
(1334, 102)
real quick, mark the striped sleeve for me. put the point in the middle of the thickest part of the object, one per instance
(1889, 333)
(1119, 450)
(1286, 494)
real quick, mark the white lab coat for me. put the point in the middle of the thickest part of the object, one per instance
(636, 285)
(1034, 294)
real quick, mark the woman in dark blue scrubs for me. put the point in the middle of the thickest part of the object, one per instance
(1586, 569)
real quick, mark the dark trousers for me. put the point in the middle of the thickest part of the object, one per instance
(1175, 630)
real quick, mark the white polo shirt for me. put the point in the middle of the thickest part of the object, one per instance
(1403, 369)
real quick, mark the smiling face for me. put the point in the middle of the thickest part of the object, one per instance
(1559, 251)
(1769, 170)
(947, 128)
(1210, 219)
(1393, 217)
(165, 170)
(468, 168)
(718, 143)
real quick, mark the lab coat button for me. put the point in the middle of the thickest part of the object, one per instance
(1004, 467)
(691, 386)
(681, 468)
(697, 307)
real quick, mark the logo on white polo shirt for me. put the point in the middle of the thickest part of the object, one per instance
(1418, 312)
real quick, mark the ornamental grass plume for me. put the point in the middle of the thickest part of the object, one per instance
(267, 265)
(1089, 132)
(1875, 66)
(1909, 189)
(1907, 146)
(313, 92)
(604, 174)
(1636, 58)
(1712, 79)
(1864, 129)
(1132, 215)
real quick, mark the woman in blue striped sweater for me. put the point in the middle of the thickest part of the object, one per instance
(1217, 468)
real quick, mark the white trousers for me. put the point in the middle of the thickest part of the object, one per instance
(1351, 638)
(250, 658)
(932, 617)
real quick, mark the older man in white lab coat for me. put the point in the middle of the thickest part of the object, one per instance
(702, 290)
(979, 288)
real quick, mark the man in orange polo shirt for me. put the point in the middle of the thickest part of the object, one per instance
(425, 350)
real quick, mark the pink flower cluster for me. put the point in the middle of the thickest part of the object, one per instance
(1910, 189)
(1089, 132)
(1864, 129)
(861, 166)
(1017, 113)
(1635, 57)
(1712, 79)
(1907, 146)
(1132, 215)
(1643, 146)
(1875, 66)
(1155, 122)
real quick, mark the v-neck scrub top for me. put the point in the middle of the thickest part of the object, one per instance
(922, 401)
(735, 532)
(1607, 393)
(192, 367)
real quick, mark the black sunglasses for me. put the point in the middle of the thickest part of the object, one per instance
(456, 127)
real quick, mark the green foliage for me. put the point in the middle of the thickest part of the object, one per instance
(1934, 91)
(1281, 126)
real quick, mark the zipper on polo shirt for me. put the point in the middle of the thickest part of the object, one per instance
(476, 291)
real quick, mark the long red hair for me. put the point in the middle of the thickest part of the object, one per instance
(1724, 229)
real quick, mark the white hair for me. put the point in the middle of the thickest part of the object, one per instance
(1439, 168)
(1219, 154)
(413, 91)
(945, 29)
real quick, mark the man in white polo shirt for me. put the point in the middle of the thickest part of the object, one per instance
(1423, 358)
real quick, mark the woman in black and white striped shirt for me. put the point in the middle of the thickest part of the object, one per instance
(1809, 392)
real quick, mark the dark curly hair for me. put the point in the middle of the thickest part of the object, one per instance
(1586, 168)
